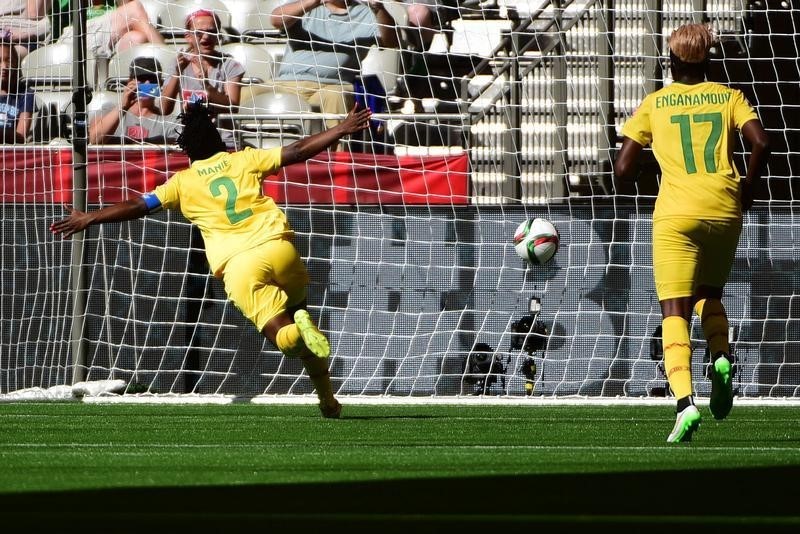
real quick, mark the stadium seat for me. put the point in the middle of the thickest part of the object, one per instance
(251, 18)
(172, 21)
(257, 61)
(276, 49)
(477, 37)
(119, 65)
(102, 102)
(154, 9)
(397, 10)
(272, 130)
(51, 66)
(50, 118)
(385, 64)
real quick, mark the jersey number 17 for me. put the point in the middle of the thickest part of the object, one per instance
(687, 143)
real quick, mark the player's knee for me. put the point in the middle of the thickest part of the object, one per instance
(289, 342)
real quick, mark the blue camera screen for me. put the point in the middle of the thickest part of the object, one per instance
(148, 90)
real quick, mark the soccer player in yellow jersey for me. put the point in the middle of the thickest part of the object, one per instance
(697, 219)
(247, 237)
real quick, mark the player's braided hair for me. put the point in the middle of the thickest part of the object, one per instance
(199, 138)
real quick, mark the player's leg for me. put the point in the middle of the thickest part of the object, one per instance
(292, 277)
(719, 253)
(678, 365)
(250, 282)
(285, 334)
(675, 257)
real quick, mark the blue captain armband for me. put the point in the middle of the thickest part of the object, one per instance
(152, 202)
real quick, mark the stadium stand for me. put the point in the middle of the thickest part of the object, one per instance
(172, 20)
(118, 66)
(270, 129)
(251, 18)
(258, 63)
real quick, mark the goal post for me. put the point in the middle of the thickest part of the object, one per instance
(512, 111)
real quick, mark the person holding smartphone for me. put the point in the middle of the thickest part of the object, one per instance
(138, 118)
(203, 73)
(326, 42)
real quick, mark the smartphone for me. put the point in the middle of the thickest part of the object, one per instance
(148, 90)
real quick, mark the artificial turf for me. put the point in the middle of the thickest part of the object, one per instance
(400, 465)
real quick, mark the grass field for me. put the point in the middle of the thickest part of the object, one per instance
(396, 468)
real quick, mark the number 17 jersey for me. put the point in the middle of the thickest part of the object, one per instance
(223, 196)
(691, 128)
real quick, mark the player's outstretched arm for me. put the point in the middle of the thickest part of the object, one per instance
(78, 220)
(356, 120)
(758, 139)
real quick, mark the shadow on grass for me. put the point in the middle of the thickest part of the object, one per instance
(756, 500)
(391, 416)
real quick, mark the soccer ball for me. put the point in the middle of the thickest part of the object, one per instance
(536, 241)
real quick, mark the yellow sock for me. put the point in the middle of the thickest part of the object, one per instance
(715, 324)
(289, 342)
(677, 355)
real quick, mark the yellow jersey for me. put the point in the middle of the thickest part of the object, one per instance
(690, 128)
(223, 196)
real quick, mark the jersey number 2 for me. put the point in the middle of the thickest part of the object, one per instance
(687, 143)
(216, 187)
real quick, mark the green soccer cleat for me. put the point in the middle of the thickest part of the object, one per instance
(686, 423)
(315, 340)
(721, 400)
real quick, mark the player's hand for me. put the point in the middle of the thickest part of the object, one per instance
(76, 222)
(747, 195)
(356, 120)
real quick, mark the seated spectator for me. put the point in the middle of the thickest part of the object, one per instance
(116, 29)
(205, 73)
(24, 23)
(138, 118)
(326, 42)
(16, 101)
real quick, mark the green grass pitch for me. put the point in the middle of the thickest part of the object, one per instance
(396, 468)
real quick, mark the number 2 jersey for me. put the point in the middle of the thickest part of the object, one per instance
(223, 196)
(690, 128)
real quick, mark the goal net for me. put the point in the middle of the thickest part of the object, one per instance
(498, 112)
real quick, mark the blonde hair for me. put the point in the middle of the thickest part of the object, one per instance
(691, 42)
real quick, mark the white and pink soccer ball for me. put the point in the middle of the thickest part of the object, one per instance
(536, 241)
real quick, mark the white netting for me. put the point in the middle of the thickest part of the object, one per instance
(511, 111)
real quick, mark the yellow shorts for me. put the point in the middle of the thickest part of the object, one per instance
(263, 281)
(688, 253)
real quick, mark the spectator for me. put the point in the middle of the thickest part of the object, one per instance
(16, 101)
(116, 30)
(138, 117)
(425, 18)
(24, 23)
(327, 39)
(205, 73)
